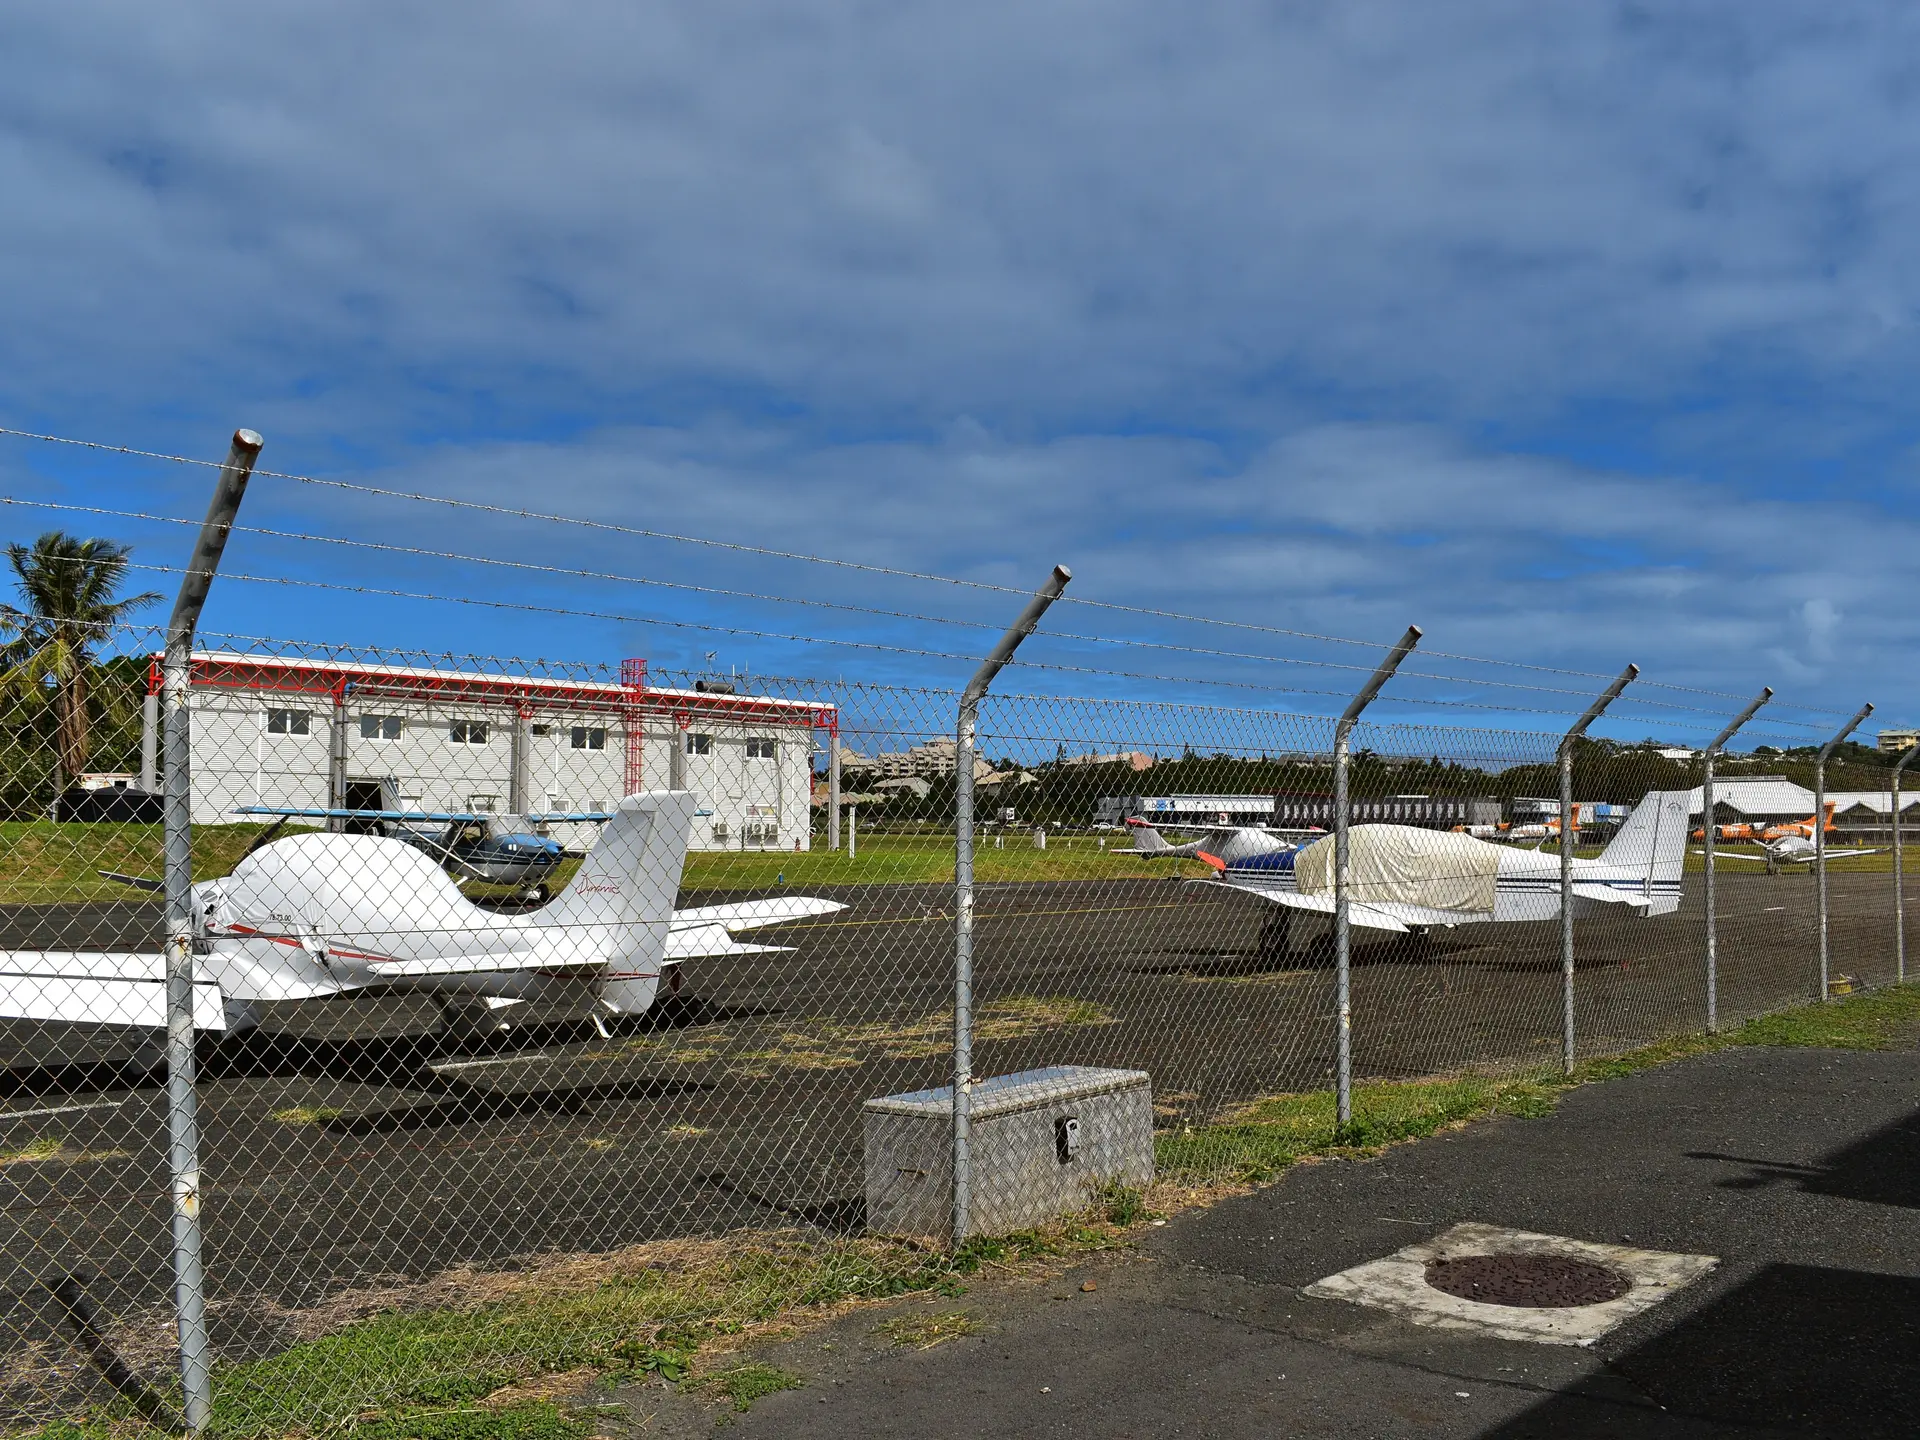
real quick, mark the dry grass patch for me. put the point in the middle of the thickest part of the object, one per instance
(46, 1149)
(823, 1043)
(308, 1114)
(923, 1332)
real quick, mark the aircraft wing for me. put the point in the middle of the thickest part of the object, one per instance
(97, 987)
(708, 930)
(1384, 915)
(1736, 855)
(1610, 895)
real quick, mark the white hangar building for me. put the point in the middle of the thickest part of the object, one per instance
(312, 734)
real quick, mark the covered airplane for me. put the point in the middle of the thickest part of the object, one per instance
(315, 914)
(1403, 878)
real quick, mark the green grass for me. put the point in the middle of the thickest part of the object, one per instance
(421, 1375)
(409, 1367)
(744, 1384)
(1263, 1139)
(48, 863)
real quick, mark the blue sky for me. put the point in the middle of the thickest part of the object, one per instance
(1577, 334)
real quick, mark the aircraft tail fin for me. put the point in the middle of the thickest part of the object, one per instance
(619, 904)
(1654, 843)
(1146, 840)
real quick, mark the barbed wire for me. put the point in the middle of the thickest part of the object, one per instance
(578, 573)
(609, 527)
(710, 627)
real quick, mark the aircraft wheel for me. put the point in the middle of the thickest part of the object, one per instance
(539, 895)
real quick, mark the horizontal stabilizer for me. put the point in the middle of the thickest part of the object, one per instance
(754, 914)
(1610, 895)
(97, 988)
(704, 941)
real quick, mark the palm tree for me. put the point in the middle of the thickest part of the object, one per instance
(68, 587)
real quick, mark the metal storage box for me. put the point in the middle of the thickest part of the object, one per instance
(1043, 1141)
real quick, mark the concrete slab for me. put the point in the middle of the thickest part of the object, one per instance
(1398, 1283)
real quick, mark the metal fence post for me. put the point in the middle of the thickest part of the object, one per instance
(1706, 851)
(1900, 873)
(183, 1120)
(150, 739)
(1342, 810)
(520, 761)
(833, 785)
(1820, 833)
(965, 729)
(337, 757)
(1569, 826)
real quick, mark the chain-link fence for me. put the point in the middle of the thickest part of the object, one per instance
(562, 979)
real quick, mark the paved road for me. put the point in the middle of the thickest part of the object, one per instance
(1800, 1170)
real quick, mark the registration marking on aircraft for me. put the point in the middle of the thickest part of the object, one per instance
(6, 1115)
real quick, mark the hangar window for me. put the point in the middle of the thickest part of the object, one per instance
(287, 722)
(698, 744)
(380, 727)
(467, 732)
(760, 749)
(589, 737)
(540, 732)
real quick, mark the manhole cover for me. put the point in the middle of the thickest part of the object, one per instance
(1543, 1282)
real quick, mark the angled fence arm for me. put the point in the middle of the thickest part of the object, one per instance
(1706, 850)
(1899, 871)
(1568, 828)
(1820, 834)
(965, 731)
(1342, 809)
(183, 1119)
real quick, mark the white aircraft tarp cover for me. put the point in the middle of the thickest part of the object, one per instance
(1388, 864)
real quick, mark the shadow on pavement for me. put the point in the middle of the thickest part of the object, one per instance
(1796, 1348)
(1882, 1168)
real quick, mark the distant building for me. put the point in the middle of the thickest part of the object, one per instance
(1894, 742)
(934, 758)
(1132, 759)
(343, 735)
(1185, 809)
(1772, 798)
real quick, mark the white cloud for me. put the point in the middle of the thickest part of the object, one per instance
(1563, 326)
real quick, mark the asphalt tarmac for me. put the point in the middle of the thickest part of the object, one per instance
(345, 1141)
(1798, 1171)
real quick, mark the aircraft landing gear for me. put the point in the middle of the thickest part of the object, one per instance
(1276, 935)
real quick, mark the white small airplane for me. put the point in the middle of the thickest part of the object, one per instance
(317, 914)
(1231, 843)
(1792, 849)
(1406, 879)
